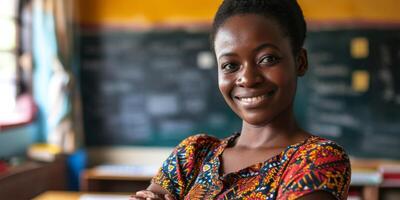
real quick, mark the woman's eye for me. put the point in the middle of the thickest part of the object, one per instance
(269, 60)
(229, 67)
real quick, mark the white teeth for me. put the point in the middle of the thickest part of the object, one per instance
(252, 99)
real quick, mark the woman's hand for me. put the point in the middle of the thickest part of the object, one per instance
(149, 195)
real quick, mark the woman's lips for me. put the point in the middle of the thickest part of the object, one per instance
(254, 100)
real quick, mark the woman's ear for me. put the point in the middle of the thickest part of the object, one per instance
(302, 62)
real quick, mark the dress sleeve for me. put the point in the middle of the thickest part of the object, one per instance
(322, 166)
(181, 168)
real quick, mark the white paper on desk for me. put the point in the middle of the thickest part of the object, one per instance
(103, 197)
(127, 170)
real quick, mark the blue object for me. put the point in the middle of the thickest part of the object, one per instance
(76, 163)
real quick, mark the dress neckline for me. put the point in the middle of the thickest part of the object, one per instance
(253, 169)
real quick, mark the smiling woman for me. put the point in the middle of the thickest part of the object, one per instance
(257, 72)
(258, 46)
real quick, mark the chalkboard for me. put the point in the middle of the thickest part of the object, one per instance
(150, 88)
(351, 93)
(154, 88)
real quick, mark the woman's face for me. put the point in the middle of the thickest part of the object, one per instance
(257, 71)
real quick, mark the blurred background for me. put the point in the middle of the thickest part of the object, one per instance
(117, 84)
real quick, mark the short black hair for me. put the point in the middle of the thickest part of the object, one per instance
(287, 13)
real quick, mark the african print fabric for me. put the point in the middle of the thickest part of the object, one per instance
(192, 171)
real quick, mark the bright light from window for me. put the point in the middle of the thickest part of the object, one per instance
(7, 82)
(8, 66)
(8, 8)
(7, 34)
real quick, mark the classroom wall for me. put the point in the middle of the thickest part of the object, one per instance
(14, 142)
(175, 11)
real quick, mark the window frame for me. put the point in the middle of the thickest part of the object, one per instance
(25, 108)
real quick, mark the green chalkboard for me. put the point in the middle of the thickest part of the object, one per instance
(154, 88)
(351, 93)
(150, 88)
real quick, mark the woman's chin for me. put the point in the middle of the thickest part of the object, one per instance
(257, 121)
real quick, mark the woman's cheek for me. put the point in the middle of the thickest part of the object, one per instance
(224, 84)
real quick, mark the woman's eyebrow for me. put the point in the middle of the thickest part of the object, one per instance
(227, 54)
(260, 47)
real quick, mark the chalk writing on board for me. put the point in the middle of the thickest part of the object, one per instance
(352, 90)
(162, 104)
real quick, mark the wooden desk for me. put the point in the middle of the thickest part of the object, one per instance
(93, 181)
(32, 178)
(67, 195)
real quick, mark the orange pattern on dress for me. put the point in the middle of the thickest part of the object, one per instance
(192, 171)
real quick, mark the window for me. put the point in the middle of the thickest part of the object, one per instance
(16, 103)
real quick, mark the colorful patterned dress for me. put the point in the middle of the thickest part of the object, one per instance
(192, 171)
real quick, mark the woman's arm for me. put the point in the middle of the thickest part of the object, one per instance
(158, 189)
(318, 195)
(180, 168)
(154, 192)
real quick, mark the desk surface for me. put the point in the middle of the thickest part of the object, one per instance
(68, 195)
(115, 175)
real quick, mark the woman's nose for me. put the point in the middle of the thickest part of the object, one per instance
(249, 77)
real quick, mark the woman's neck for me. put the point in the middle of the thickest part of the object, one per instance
(280, 132)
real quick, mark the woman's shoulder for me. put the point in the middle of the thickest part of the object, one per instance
(317, 147)
(324, 165)
(199, 142)
(200, 139)
(317, 142)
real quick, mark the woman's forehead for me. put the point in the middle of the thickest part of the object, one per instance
(244, 30)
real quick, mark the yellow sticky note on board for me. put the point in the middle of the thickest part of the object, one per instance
(359, 47)
(360, 81)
